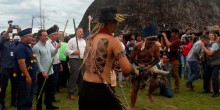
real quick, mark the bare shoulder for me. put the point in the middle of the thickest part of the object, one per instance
(116, 44)
(112, 41)
(156, 44)
(138, 45)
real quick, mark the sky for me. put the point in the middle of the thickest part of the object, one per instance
(55, 12)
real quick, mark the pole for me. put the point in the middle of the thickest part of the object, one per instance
(40, 15)
(74, 24)
(89, 24)
(43, 20)
(32, 22)
(65, 28)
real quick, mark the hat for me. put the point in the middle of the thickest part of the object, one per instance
(150, 31)
(25, 32)
(109, 13)
(53, 30)
(174, 29)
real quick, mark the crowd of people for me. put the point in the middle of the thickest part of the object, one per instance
(89, 67)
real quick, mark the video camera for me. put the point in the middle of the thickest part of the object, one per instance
(168, 33)
(164, 29)
(12, 26)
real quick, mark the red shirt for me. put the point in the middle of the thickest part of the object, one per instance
(174, 48)
(186, 48)
(175, 44)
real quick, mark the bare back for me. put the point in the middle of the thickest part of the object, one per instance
(100, 54)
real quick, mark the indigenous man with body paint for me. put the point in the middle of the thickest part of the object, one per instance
(101, 51)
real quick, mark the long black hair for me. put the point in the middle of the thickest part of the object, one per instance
(187, 40)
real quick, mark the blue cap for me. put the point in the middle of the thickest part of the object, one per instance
(25, 32)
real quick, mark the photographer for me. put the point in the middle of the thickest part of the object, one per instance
(172, 47)
(7, 63)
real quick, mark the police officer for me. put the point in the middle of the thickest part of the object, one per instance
(26, 69)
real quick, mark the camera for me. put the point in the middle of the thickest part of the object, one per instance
(168, 33)
(13, 26)
(164, 29)
(58, 41)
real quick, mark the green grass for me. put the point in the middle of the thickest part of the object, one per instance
(185, 100)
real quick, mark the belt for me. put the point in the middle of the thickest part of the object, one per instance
(77, 59)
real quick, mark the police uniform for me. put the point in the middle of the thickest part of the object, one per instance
(7, 71)
(25, 92)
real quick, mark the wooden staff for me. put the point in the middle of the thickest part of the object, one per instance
(77, 46)
(65, 28)
(89, 24)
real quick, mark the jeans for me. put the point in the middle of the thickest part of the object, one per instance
(211, 72)
(185, 65)
(25, 94)
(195, 69)
(166, 91)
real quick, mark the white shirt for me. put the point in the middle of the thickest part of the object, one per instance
(53, 47)
(72, 46)
(123, 46)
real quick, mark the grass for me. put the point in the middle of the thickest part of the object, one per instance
(185, 100)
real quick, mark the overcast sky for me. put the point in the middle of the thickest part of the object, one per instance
(55, 11)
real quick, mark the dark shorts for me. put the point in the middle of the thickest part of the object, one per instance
(94, 96)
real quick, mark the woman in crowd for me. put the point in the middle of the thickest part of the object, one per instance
(187, 45)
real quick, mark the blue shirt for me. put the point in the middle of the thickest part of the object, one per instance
(24, 51)
(7, 55)
(44, 54)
